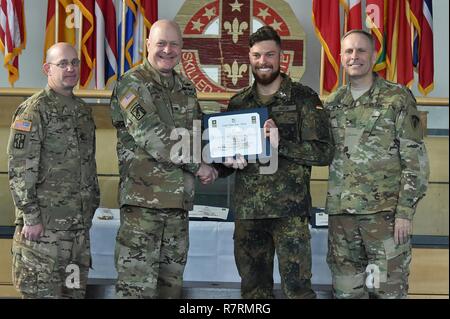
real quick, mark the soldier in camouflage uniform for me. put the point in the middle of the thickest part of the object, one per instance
(53, 181)
(156, 187)
(378, 175)
(274, 215)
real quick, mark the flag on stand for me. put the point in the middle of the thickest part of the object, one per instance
(376, 21)
(325, 16)
(106, 40)
(423, 53)
(88, 42)
(399, 48)
(12, 36)
(352, 10)
(130, 10)
(66, 24)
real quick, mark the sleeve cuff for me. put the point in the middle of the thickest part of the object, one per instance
(192, 167)
(405, 212)
(32, 218)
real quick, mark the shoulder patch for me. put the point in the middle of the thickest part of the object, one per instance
(126, 101)
(138, 111)
(22, 125)
(19, 141)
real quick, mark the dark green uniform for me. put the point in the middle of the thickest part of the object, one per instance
(272, 211)
(53, 181)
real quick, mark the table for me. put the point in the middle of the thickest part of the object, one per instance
(210, 256)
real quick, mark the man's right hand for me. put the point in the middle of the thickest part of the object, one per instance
(33, 232)
(238, 163)
(207, 174)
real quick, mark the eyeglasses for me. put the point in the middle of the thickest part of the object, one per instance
(64, 64)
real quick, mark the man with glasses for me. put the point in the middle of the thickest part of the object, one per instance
(53, 181)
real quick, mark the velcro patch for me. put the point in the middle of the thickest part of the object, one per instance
(19, 141)
(22, 125)
(138, 111)
(284, 108)
(128, 99)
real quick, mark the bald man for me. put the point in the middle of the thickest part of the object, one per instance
(53, 181)
(156, 187)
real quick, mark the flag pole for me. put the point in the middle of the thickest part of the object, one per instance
(344, 80)
(144, 33)
(80, 44)
(122, 40)
(56, 21)
(322, 70)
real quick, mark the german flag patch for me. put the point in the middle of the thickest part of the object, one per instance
(22, 125)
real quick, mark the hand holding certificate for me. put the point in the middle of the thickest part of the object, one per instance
(237, 133)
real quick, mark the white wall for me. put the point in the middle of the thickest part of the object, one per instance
(36, 11)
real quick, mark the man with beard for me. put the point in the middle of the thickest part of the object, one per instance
(53, 181)
(275, 217)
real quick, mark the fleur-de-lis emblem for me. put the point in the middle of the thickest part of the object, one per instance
(235, 71)
(236, 29)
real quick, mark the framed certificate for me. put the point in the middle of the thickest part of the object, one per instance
(237, 132)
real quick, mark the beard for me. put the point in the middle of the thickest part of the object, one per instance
(267, 79)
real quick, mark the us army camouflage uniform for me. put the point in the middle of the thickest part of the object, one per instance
(155, 191)
(379, 173)
(53, 181)
(272, 211)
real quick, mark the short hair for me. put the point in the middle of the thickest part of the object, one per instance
(264, 33)
(368, 35)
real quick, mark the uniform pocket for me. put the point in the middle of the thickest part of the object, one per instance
(32, 271)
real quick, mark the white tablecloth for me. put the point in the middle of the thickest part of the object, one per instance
(210, 256)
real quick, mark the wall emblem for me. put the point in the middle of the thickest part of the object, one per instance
(215, 35)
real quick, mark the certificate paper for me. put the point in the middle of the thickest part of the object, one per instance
(235, 133)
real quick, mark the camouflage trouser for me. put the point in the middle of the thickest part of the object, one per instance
(255, 242)
(364, 243)
(55, 266)
(151, 252)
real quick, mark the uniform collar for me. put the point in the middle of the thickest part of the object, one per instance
(157, 77)
(52, 94)
(283, 94)
(368, 98)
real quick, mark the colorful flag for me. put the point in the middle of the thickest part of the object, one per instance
(352, 10)
(130, 18)
(146, 16)
(66, 23)
(12, 36)
(399, 48)
(87, 8)
(376, 21)
(149, 10)
(423, 54)
(325, 16)
(106, 39)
